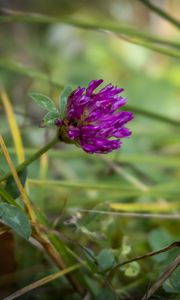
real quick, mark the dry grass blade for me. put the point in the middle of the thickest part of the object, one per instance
(13, 125)
(37, 234)
(133, 214)
(142, 207)
(17, 180)
(41, 282)
(16, 135)
(129, 177)
(163, 204)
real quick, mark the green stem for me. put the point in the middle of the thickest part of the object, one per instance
(32, 158)
(152, 46)
(7, 197)
(153, 115)
(21, 17)
(161, 13)
(30, 72)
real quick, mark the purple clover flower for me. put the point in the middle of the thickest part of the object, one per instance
(93, 120)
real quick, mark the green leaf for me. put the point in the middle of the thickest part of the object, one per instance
(93, 220)
(91, 234)
(90, 259)
(169, 288)
(105, 260)
(172, 284)
(63, 100)
(11, 186)
(105, 293)
(159, 238)
(132, 269)
(5, 196)
(50, 118)
(16, 219)
(44, 101)
(172, 254)
(2, 172)
(126, 247)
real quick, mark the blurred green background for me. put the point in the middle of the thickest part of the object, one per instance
(66, 180)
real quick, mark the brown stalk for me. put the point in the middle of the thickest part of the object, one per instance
(37, 232)
(170, 269)
(149, 254)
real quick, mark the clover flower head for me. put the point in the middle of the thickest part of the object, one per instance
(93, 120)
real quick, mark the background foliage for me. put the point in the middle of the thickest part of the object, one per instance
(141, 178)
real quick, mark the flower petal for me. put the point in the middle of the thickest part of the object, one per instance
(92, 86)
(93, 118)
(122, 133)
(73, 133)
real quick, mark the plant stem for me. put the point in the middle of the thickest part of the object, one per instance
(56, 258)
(35, 156)
(153, 115)
(151, 46)
(17, 67)
(161, 13)
(41, 282)
(19, 16)
(167, 273)
(37, 232)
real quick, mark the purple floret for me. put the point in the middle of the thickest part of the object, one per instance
(93, 119)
